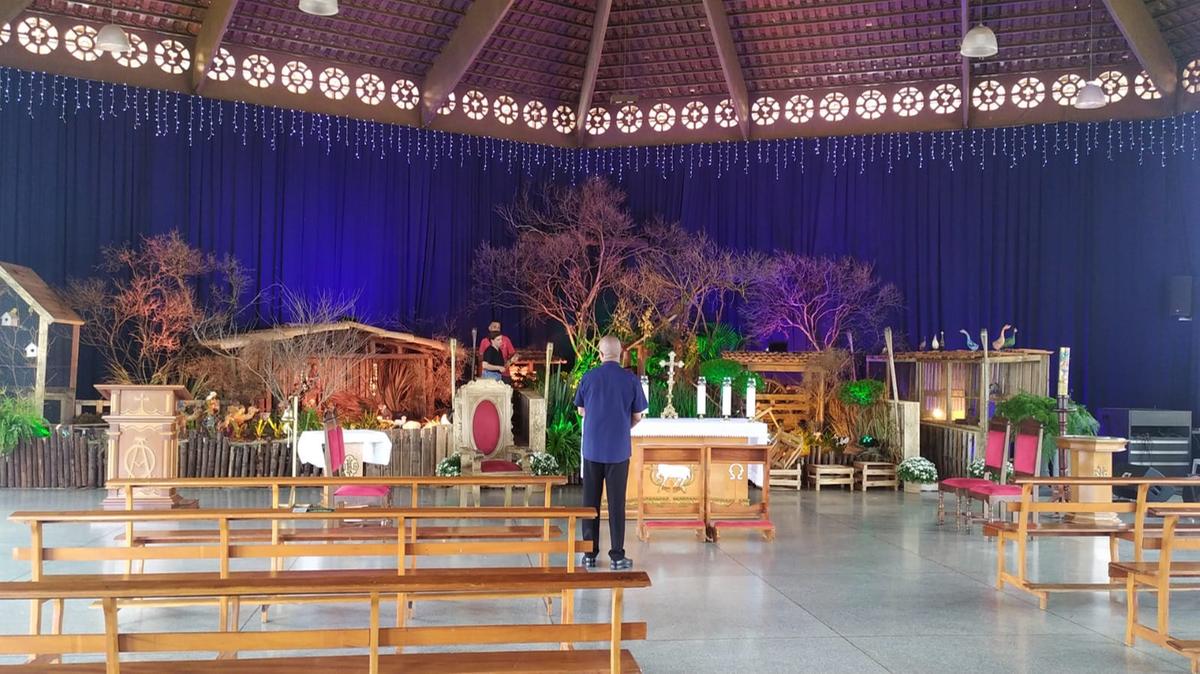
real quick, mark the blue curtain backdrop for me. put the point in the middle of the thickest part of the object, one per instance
(1072, 247)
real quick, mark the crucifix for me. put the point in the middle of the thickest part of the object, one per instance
(671, 364)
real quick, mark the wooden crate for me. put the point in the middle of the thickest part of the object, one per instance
(787, 477)
(869, 474)
(829, 474)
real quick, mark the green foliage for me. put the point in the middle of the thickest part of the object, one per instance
(19, 420)
(564, 428)
(861, 393)
(719, 339)
(715, 371)
(1044, 410)
(685, 399)
(451, 466)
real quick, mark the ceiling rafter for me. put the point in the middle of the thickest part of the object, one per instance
(1146, 41)
(718, 23)
(459, 52)
(587, 86)
(212, 32)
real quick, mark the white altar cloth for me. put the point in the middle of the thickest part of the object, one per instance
(754, 431)
(377, 446)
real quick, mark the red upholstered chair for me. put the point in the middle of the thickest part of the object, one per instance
(994, 462)
(1027, 455)
(336, 463)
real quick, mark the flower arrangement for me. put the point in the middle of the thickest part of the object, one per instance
(978, 469)
(542, 463)
(917, 469)
(451, 466)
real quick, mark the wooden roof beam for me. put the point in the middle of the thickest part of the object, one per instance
(718, 25)
(10, 9)
(964, 22)
(1146, 41)
(212, 32)
(587, 86)
(459, 52)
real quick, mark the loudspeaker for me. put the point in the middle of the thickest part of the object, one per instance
(1157, 494)
(1179, 298)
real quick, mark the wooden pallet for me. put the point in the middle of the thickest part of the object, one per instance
(829, 474)
(869, 474)
(787, 477)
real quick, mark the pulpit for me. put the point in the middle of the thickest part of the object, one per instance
(143, 441)
(483, 431)
(1091, 456)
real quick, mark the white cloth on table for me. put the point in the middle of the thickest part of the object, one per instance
(755, 432)
(377, 446)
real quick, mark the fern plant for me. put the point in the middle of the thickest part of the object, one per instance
(19, 420)
(1044, 410)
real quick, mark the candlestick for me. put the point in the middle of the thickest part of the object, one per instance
(727, 397)
(701, 396)
(646, 392)
(1064, 370)
(751, 392)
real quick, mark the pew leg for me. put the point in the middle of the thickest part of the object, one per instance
(941, 511)
(567, 615)
(1000, 561)
(508, 495)
(402, 611)
(1164, 606)
(1131, 608)
(263, 613)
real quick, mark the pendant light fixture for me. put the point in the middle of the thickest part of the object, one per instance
(319, 7)
(113, 38)
(1091, 96)
(979, 42)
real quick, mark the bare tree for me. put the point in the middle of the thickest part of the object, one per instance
(569, 251)
(828, 300)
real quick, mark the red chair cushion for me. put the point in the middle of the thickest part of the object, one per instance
(996, 490)
(993, 456)
(337, 449)
(362, 490)
(499, 466)
(965, 482)
(744, 524)
(485, 427)
(1025, 454)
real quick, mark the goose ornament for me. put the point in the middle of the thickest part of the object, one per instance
(1012, 340)
(921, 346)
(970, 342)
(1002, 340)
(935, 344)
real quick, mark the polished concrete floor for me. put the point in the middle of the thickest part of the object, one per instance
(852, 583)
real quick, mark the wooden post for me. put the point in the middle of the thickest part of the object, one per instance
(985, 376)
(614, 653)
(546, 375)
(453, 368)
(891, 373)
(43, 352)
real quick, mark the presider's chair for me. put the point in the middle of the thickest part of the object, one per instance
(1027, 461)
(348, 462)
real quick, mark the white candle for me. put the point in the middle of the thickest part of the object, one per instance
(727, 398)
(701, 396)
(646, 391)
(1064, 369)
(751, 391)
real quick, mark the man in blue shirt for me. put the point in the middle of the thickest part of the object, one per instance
(611, 402)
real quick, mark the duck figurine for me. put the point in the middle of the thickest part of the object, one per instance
(1002, 340)
(935, 344)
(970, 342)
(1012, 340)
(921, 346)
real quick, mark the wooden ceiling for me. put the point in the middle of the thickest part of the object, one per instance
(608, 54)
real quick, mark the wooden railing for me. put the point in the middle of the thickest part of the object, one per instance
(949, 446)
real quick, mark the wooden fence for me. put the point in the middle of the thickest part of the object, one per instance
(69, 459)
(950, 447)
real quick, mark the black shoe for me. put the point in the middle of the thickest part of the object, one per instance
(589, 561)
(622, 564)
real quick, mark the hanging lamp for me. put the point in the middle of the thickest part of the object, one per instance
(979, 42)
(1091, 96)
(319, 7)
(113, 38)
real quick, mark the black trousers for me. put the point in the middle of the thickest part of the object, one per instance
(597, 478)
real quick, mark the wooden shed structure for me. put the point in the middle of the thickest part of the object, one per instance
(397, 369)
(796, 392)
(39, 342)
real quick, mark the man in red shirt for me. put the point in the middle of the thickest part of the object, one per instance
(507, 352)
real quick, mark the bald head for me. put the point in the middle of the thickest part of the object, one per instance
(609, 348)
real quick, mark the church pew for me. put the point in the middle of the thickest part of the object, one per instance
(369, 587)
(398, 543)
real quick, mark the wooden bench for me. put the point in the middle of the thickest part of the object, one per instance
(370, 587)
(399, 542)
(1157, 576)
(1143, 535)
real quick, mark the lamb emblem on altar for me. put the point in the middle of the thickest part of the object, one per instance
(672, 477)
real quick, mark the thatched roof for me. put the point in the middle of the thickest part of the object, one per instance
(403, 339)
(40, 296)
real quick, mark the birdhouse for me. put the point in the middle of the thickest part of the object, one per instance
(39, 343)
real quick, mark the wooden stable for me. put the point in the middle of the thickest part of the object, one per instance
(800, 383)
(956, 392)
(39, 343)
